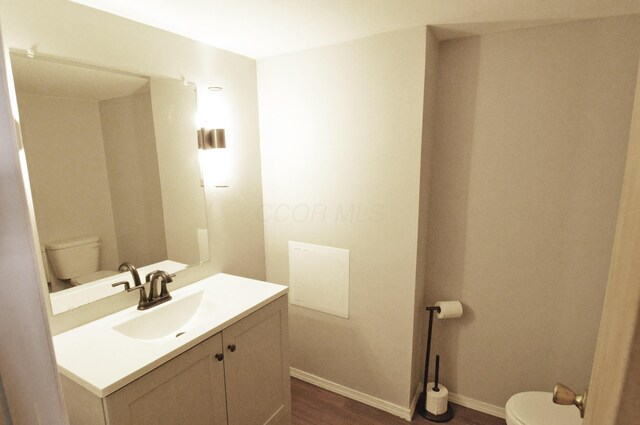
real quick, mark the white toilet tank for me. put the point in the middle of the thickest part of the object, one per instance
(74, 257)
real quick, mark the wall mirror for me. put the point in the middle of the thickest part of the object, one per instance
(114, 174)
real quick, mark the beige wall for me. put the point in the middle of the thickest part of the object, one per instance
(132, 167)
(428, 136)
(174, 108)
(89, 36)
(341, 130)
(68, 172)
(532, 130)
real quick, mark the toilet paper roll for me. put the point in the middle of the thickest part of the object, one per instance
(437, 400)
(449, 309)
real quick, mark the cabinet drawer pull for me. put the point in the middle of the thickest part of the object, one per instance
(231, 347)
(219, 356)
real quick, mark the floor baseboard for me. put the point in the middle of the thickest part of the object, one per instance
(367, 399)
(480, 406)
(392, 408)
(416, 397)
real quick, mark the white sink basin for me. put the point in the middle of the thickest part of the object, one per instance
(109, 353)
(164, 320)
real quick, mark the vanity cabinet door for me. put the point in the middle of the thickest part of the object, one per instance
(188, 390)
(256, 364)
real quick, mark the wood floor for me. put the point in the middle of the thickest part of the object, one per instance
(312, 405)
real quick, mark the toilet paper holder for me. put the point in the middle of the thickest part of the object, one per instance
(448, 415)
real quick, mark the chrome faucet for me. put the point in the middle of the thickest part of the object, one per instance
(154, 298)
(126, 266)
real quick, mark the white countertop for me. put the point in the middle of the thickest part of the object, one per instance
(103, 360)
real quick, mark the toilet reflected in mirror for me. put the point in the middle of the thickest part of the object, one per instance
(76, 261)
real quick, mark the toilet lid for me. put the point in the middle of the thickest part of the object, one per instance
(537, 408)
(86, 278)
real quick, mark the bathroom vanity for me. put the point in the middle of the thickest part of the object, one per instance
(217, 353)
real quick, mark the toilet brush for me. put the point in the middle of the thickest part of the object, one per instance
(435, 380)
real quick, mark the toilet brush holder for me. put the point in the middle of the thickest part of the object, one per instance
(422, 402)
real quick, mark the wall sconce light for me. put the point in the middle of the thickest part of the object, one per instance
(212, 143)
(211, 139)
(214, 163)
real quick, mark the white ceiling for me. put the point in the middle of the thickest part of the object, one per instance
(262, 28)
(48, 78)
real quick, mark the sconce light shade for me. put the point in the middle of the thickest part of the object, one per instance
(214, 162)
(211, 139)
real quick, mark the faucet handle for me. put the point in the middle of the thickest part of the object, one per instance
(143, 293)
(142, 302)
(148, 277)
(166, 278)
(124, 282)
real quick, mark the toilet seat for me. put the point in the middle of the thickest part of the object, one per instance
(537, 408)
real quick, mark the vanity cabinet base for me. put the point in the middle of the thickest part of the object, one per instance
(83, 407)
(239, 376)
(256, 367)
(188, 389)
